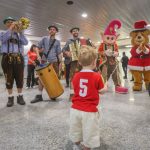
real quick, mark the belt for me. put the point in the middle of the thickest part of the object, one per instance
(142, 56)
(12, 54)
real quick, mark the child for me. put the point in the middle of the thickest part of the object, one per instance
(84, 115)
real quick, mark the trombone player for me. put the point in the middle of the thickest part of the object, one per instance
(12, 60)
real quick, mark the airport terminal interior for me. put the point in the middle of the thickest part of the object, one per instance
(124, 106)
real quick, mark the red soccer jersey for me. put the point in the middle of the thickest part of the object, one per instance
(86, 86)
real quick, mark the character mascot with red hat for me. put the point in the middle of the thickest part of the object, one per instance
(108, 51)
(139, 63)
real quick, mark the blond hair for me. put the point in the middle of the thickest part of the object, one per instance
(87, 55)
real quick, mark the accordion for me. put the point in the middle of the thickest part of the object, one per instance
(75, 45)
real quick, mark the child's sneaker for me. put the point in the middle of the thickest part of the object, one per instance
(121, 90)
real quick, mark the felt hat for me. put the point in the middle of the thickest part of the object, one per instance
(52, 26)
(77, 28)
(7, 19)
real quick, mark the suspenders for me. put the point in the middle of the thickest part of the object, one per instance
(13, 42)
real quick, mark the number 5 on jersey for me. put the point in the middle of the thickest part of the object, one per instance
(83, 87)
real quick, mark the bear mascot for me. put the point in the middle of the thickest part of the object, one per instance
(139, 63)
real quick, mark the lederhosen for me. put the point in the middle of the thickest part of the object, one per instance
(110, 67)
(13, 65)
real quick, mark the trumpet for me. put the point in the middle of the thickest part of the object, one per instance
(22, 24)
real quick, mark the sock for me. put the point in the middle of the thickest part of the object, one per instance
(10, 95)
(20, 94)
(39, 92)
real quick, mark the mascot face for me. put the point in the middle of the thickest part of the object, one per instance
(139, 37)
(109, 39)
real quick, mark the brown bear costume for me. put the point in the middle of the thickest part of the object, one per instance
(139, 63)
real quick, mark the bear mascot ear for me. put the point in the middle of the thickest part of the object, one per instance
(147, 32)
(132, 34)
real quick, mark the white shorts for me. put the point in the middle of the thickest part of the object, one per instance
(85, 127)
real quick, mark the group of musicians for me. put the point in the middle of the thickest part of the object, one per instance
(13, 62)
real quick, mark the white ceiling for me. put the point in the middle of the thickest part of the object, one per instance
(100, 12)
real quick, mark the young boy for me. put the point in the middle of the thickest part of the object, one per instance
(84, 115)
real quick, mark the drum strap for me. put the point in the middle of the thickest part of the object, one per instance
(50, 48)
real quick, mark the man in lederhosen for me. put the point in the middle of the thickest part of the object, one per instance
(51, 53)
(70, 52)
(12, 60)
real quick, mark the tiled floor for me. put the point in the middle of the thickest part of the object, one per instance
(125, 122)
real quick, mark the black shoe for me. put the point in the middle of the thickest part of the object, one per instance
(20, 100)
(37, 98)
(125, 77)
(53, 99)
(10, 102)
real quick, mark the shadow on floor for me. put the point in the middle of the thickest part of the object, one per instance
(102, 147)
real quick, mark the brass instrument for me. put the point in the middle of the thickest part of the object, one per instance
(21, 24)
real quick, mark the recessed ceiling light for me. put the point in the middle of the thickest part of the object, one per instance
(69, 2)
(84, 15)
(81, 37)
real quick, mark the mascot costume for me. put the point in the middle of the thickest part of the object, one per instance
(139, 63)
(108, 52)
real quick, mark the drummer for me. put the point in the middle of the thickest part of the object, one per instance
(50, 47)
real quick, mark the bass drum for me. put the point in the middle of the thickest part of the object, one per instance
(50, 81)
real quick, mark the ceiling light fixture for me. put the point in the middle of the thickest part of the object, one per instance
(69, 2)
(84, 15)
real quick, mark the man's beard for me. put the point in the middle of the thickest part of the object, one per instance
(52, 34)
(75, 35)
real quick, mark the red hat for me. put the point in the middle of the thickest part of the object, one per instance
(111, 28)
(140, 25)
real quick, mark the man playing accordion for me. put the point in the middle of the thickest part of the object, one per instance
(70, 52)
